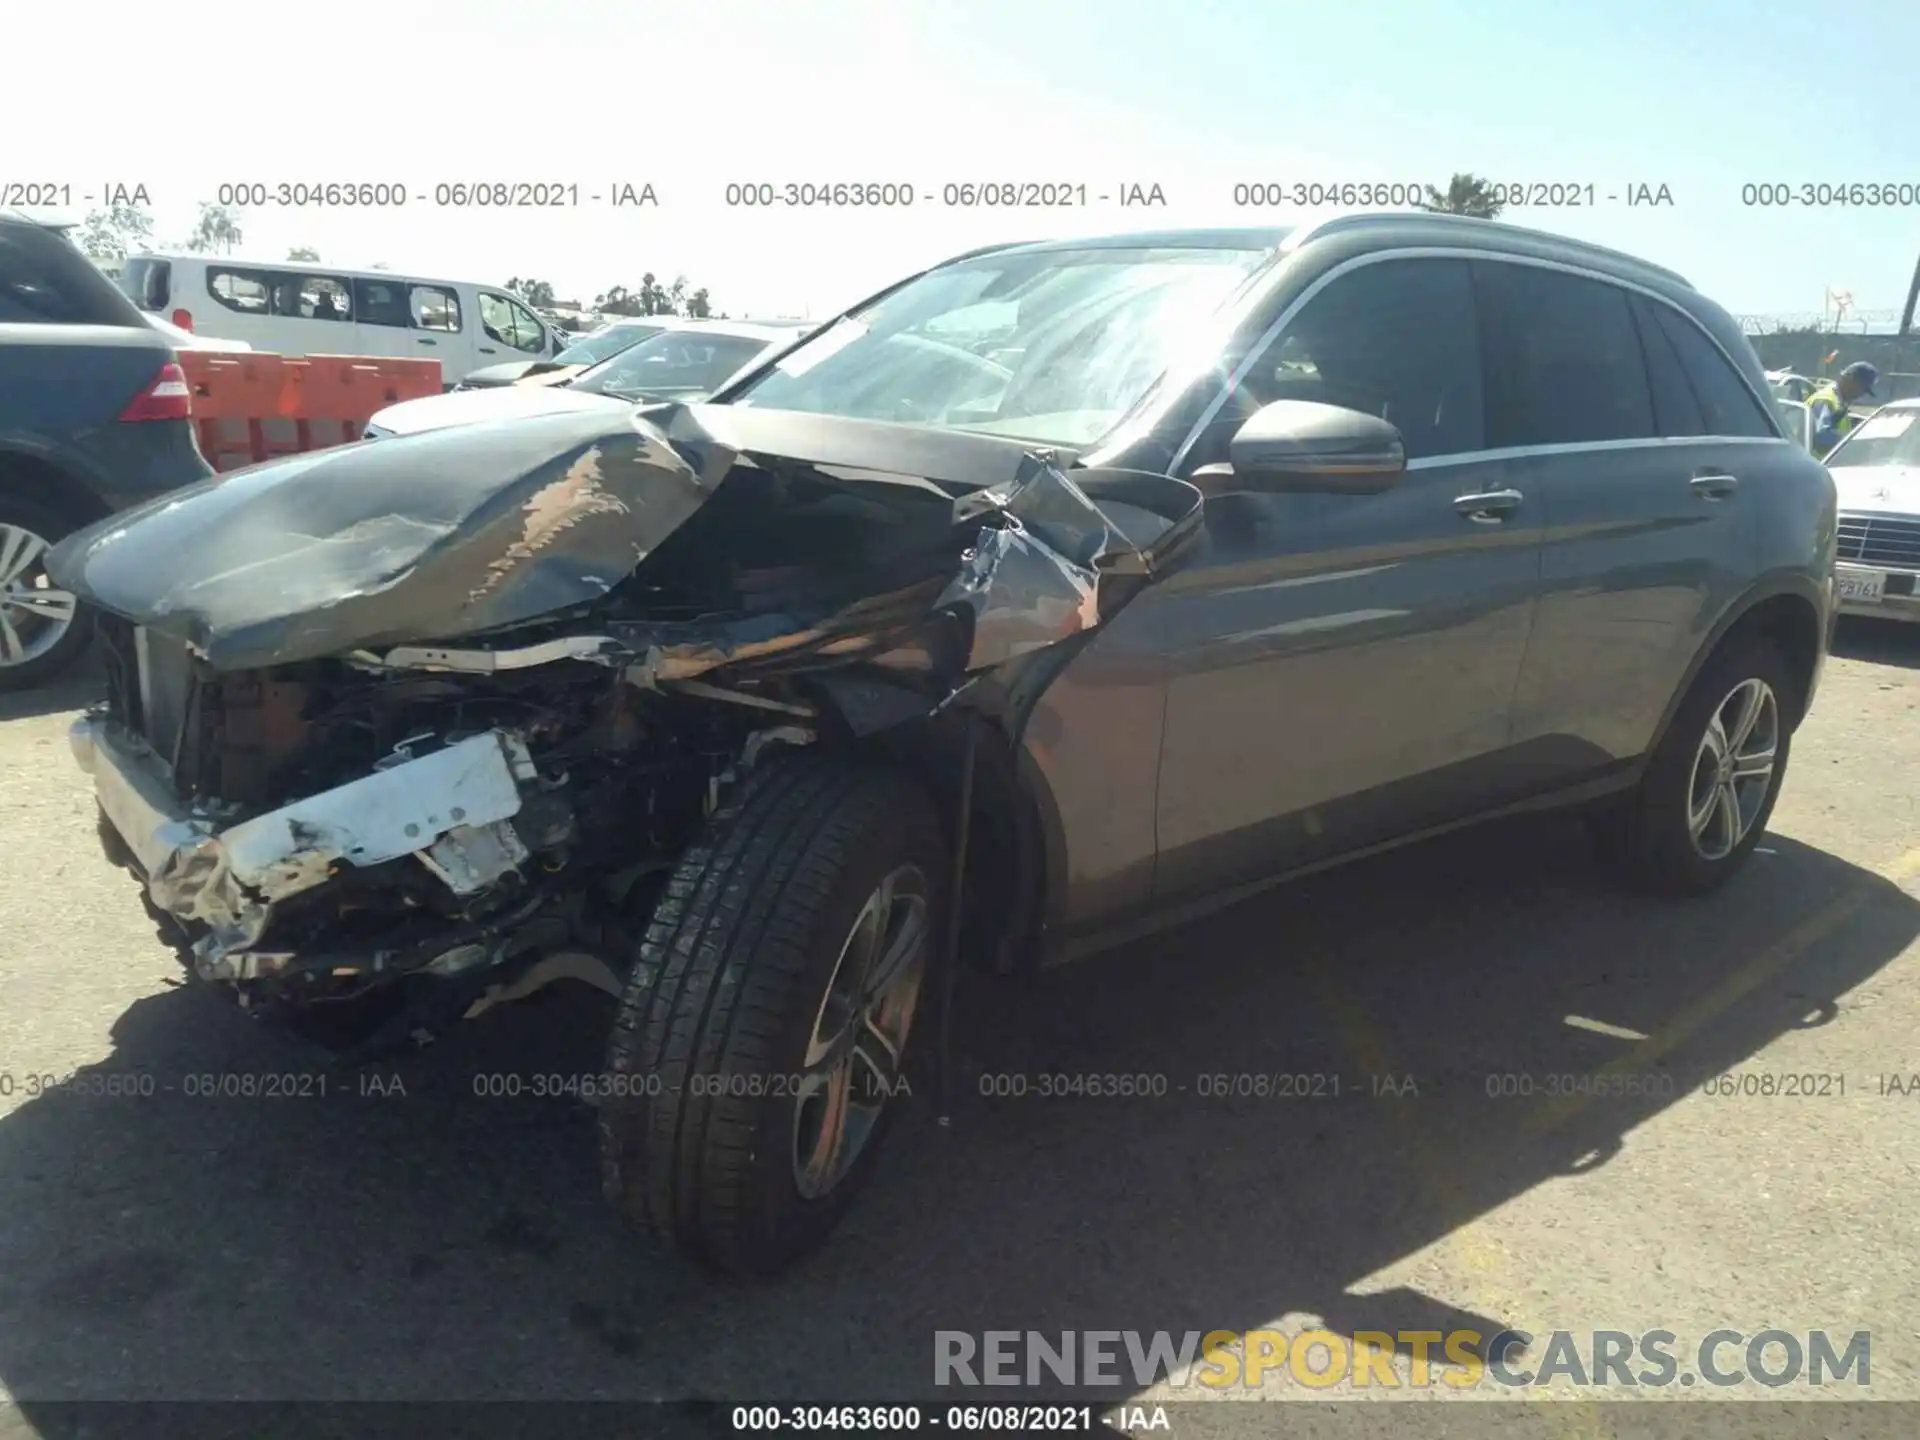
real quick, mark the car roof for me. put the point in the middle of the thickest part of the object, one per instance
(310, 267)
(1396, 226)
(743, 329)
(1402, 227)
(1253, 238)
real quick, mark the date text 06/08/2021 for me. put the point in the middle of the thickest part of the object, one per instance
(201, 1085)
(1409, 194)
(954, 195)
(907, 1419)
(392, 194)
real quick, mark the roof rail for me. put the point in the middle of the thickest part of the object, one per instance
(1361, 219)
(978, 251)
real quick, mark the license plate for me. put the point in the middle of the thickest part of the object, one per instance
(1862, 586)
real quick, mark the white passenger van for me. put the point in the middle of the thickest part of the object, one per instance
(297, 309)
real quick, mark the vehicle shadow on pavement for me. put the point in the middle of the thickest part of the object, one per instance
(1883, 642)
(445, 1245)
(75, 690)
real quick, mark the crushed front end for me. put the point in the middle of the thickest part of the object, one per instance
(395, 735)
(325, 834)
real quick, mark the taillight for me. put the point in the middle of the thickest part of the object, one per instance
(169, 397)
(184, 319)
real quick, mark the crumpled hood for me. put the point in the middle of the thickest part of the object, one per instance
(499, 402)
(1878, 489)
(461, 531)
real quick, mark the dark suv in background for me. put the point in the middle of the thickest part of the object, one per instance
(93, 417)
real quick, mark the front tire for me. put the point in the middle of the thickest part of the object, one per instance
(762, 1035)
(43, 629)
(1711, 784)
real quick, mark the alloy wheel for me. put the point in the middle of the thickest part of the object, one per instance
(1733, 769)
(34, 613)
(854, 1050)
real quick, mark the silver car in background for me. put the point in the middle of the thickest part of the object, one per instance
(1876, 471)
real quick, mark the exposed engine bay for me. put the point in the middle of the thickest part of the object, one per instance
(351, 828)
(431, 721)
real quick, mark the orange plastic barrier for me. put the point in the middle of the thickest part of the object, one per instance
(249, 407)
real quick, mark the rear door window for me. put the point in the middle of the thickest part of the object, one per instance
(1676, 410)
(249, 292)
(380, 302)
(312, 297)
(45, 280)
(1728, 405)
(434, 307)
(1567, 367)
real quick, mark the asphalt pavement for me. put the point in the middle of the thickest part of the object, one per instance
(402, 1236)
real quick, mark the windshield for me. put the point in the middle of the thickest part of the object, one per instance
(1050, 345)
(679, 364)
(605, 344)
(1889, 437)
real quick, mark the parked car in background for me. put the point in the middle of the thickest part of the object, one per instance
(1796, 421)
(765, 712)
(1876, 470)
(686, 362)
(577, 354)
(299, 309)
(1789, 386)
(93, 417)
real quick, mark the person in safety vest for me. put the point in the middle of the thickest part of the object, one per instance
(1831, 406)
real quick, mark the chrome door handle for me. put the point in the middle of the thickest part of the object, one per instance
(1714, 487)
(1489, 507)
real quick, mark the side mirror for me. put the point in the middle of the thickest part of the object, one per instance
(1302, 445)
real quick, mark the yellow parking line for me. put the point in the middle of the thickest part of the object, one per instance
(1366, 1046)
(1765, 966)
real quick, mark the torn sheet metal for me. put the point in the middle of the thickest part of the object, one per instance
(441, 807)
(379, 817)
(469, 858)
(1043, 567)
(1032, 580)
(423, 540)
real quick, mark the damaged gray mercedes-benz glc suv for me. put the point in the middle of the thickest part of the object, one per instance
(1043, 596)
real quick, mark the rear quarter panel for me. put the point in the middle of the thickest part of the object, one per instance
(67, 377)
(62, 390)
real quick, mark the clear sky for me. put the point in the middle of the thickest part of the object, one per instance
(1701, 96)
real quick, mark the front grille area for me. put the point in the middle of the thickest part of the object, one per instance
(115, 638)
(1889, 541)
(149, 683)
(166, 681)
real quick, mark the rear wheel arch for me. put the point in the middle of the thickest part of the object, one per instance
(1786, 613)
(49, 485)
(1791, 624)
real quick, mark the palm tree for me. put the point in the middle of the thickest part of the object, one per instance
(1465, 194)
